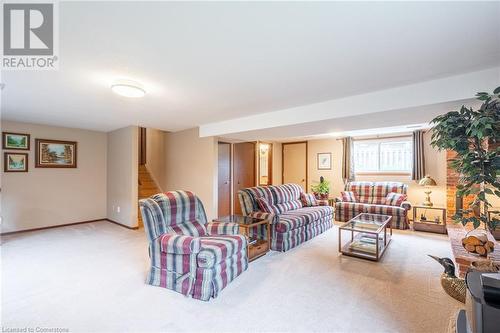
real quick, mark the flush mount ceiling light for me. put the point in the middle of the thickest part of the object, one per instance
(128, 88)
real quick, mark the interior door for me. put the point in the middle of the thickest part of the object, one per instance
(244, 170)
(295, 163)
(224, 179)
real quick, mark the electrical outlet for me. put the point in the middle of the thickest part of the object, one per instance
(118, 209)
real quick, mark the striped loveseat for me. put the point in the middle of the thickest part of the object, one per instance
(291, 224)
(189, 255)
(371, 198)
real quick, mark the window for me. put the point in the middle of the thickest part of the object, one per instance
(392, 155)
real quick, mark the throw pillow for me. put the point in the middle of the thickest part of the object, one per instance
(308, 199)
(395, 199)
(265, 206)
(348, 196)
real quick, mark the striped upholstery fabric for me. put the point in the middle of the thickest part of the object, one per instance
(266, 206)
(308, 199)
(395, 199)
(185, 254)
(293, 224)
(348, 196)
(371, 198)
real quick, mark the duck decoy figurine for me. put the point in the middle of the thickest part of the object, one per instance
(454, 286)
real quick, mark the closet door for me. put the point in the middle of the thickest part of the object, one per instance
(295, 163)
(244, 170)
(224, 179)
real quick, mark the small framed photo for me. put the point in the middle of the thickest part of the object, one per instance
(324, 161)
(55, 153)
(15, 162)
(17, 141)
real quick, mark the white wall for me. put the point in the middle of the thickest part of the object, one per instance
(122, 176)
(155, 155)
(191, 164)
(45, 197)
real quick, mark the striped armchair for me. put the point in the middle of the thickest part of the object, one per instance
(371, 198)
(189, 255)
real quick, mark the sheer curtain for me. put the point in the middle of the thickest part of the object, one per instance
(418, 170)
(347, 160)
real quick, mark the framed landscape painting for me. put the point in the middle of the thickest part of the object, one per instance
(55, 154)
(18, 141)
(15, 162)
(324, 161)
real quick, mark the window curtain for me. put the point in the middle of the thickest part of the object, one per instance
(418, 170)
(347, 161)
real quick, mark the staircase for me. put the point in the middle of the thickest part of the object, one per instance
(147, 187)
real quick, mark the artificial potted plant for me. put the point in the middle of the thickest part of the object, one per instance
(475, 136)
(322, 189)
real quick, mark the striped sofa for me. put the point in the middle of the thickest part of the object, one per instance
(293, 224)
(189, 255)
(371, 199)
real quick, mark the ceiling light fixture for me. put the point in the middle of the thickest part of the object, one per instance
(128, 88)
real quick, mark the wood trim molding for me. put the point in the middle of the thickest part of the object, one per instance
(67, 225)
(122, 225)
(52, 227)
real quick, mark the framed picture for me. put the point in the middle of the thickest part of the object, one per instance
(15, 162)
(17, 141)
(324, 161)
(55, 154)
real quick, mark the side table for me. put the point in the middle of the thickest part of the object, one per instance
(431, 225)
(257, 245)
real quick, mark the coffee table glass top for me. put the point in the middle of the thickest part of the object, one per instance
(367, 223)
(243, 220)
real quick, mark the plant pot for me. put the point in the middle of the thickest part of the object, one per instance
(321, 196)
(495, 233)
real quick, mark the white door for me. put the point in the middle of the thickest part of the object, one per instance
(295, 164)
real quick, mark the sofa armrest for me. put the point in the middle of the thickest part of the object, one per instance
(266, 216)
(179, 244)
(406, 205)
(222, 228)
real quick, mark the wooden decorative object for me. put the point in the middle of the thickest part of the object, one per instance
(55, 153)
(478, 244)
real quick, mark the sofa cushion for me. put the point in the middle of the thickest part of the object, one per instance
(190, 228)
(308, 200)
(289, 205)
(385, 210)
(267, 207)
(285, 193)
(216, 249)
(297, 218)
(395, 199)
(348, 196)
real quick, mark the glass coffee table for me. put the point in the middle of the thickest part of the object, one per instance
(369, 237)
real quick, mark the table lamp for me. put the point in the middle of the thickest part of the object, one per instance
(427, 182)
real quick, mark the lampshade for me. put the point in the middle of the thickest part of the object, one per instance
(427, 181)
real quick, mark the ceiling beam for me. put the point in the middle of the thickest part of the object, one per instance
(453, 88)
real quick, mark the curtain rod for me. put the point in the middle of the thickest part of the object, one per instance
(381, 136)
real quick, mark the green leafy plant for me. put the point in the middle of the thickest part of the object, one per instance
(474, 135)
(323, 187)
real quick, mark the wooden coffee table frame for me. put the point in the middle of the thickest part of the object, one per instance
(379, 251)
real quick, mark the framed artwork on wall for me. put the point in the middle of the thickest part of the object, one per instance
(15, 162)
(17, 141)
(324, 161)
(55, 153)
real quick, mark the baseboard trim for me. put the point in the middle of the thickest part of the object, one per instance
(52, 227)
(122, 225)
(68, 225)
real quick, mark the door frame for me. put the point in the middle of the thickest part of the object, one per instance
(283, 161)
(231, 208)
(255, 171)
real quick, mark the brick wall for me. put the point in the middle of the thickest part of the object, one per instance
(452, 178)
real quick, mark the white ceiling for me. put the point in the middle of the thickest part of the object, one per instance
(202, 63)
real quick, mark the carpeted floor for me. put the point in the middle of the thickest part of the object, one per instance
(91, 278)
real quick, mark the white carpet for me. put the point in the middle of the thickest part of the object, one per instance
(91, 278)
